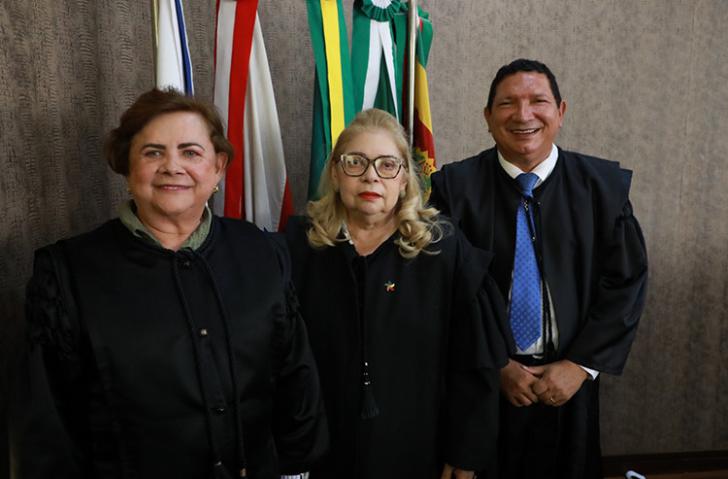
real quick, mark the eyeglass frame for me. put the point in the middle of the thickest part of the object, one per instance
(371, 162)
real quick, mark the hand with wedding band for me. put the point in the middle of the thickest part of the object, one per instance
(545, 395)
(558, 381)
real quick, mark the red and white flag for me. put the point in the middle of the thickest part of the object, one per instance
(255, 186)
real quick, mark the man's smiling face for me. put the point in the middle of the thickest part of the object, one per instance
(524, 118)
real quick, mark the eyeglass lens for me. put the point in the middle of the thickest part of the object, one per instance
(356, 165)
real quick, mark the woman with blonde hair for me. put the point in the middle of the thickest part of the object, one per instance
(401, 313)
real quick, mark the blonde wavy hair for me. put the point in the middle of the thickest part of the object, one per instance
(419, 226)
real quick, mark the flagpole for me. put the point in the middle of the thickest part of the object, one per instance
(412, 24)
(155, 34)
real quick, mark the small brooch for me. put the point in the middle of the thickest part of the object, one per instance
(389, 287)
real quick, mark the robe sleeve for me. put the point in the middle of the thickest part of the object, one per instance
(48, 421)
(300, 428)
(603, 343)
(439, 195)
(477, 352)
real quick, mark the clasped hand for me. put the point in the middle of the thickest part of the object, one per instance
(552, 384)
(450, 472)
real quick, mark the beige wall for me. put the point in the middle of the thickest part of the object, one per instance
(645, 83)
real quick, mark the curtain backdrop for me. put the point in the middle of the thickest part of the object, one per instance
(645, 85)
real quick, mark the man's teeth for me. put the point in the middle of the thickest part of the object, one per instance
(526, 132)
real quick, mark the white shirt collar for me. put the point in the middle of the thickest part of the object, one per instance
(543, 170)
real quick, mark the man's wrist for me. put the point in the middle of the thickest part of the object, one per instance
(591, 373)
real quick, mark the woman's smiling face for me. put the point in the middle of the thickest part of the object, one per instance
(173, 167)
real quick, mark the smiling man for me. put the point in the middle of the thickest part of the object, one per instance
(571, 262)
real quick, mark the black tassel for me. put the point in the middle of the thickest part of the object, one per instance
(369, 407)
(219, 471)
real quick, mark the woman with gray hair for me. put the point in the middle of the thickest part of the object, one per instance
(401, 314)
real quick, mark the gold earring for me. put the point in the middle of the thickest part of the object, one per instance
(216, 189)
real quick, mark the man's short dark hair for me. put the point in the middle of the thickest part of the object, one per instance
(523, 65)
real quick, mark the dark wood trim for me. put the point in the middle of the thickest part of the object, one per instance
(665, 463)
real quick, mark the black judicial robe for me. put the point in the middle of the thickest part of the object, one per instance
(426, 326)
(594, 260)
(119, 372)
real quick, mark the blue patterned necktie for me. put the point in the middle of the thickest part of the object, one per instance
(525, 310)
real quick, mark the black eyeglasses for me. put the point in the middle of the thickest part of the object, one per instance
(356, 164)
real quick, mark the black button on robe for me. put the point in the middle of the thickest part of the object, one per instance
(430, 325)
